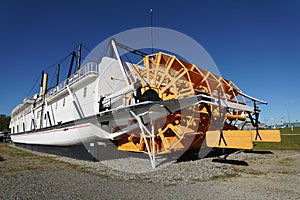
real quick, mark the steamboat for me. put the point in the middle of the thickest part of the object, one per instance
(158, 105)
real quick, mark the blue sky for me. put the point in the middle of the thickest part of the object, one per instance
(256, 44)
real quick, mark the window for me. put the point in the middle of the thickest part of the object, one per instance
(84, 92)
(38, 114)
(56, 105)
(64, 101)
(32, 124)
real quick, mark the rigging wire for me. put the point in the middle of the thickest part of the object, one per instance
(104, 52)
(131, 63)
(87, 58)
(49, 68)
(61, 60)
(88, 50)
(36, 82)
(58, 62)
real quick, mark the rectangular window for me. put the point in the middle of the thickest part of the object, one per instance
(38, 114)
(84, 92)
(64, 101)
(33, 125)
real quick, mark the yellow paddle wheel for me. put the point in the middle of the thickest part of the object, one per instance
(166, 77)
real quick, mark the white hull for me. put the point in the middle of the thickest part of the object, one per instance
(58, 137)
(38, 120)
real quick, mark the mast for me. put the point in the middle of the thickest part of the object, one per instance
(71, 64)
(79, 56)
(57, 75)
(41, 84)
(44, 83)
(114, 47)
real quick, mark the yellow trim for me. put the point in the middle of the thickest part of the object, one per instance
(236, 139)
(45, 81)
(266, 136)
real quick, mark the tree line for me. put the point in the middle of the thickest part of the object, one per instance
(4, 123)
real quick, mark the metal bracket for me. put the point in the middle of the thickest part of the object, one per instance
(76, 105)
(254, 122)
(143, 129)
(221, 120)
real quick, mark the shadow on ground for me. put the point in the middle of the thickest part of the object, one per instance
(231, 162)
(258, 152)
(219, 155)
(110, 152)
(1, 159)
(76, 152)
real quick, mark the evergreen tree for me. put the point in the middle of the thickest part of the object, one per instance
(4, 123)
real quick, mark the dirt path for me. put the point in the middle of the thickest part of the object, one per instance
(257, 175)
(267, 176)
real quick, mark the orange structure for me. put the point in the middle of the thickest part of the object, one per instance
(214, 124)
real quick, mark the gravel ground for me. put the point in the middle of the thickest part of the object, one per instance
(256, 175)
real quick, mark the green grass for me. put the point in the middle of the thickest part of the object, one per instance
(223, 176)
(296, 130)
(14, 160)
(288, 142)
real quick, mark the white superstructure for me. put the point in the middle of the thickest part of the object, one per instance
(67, 113)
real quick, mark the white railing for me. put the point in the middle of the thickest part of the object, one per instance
(87, 69)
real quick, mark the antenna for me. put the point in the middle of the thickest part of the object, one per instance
(151, 25)
(151, 12)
